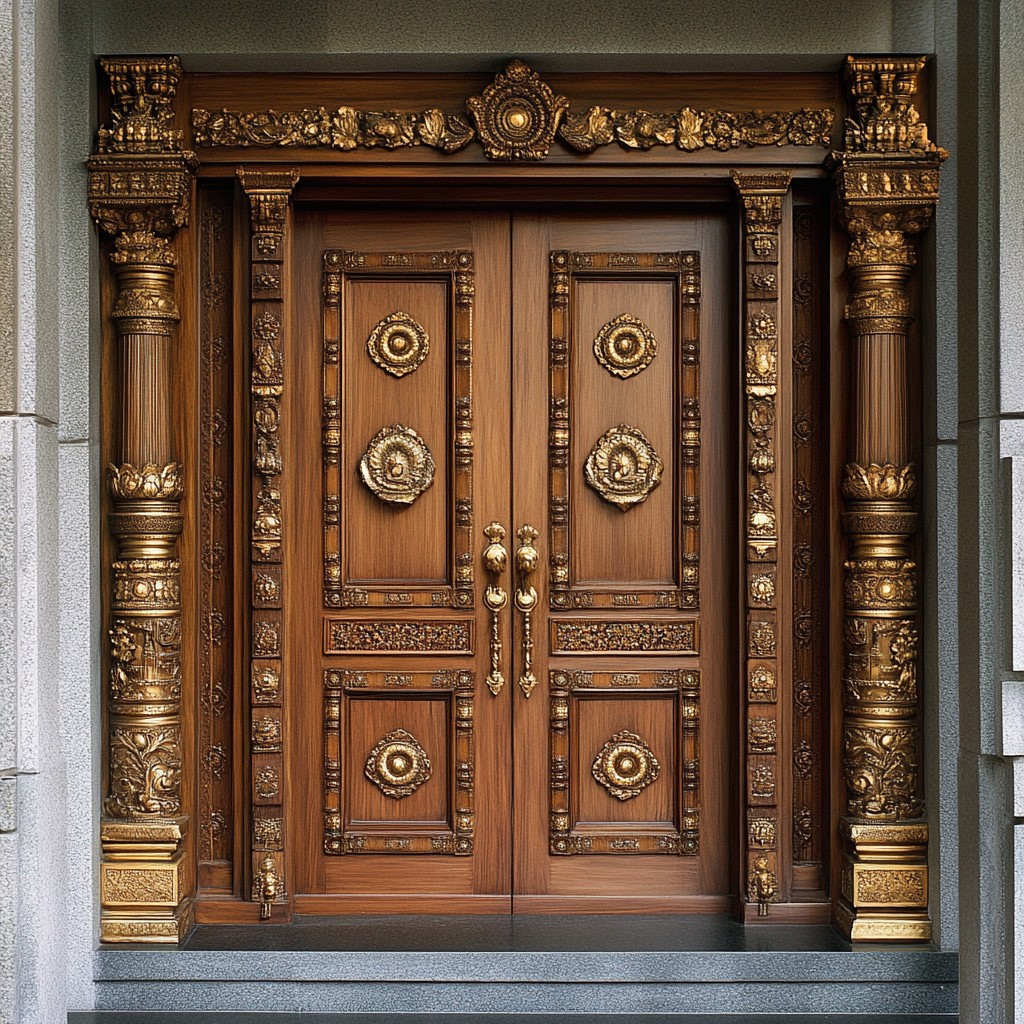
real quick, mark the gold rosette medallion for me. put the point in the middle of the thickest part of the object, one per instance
(623, 466)
(397, 465)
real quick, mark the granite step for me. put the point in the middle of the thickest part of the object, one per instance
(536, 969)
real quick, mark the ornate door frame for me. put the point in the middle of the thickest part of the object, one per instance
(516, 130)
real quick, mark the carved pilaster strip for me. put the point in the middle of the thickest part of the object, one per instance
(139, 187)
(887, 186)
(269, 193)
(217, 503)
(762, 196)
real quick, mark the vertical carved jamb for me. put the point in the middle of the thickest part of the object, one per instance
(762, 196)
(887, 182)
(269, 193)
(140, 183)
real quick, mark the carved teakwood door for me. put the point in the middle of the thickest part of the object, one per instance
(515, 586)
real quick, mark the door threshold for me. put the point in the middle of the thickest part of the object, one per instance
(530, 933)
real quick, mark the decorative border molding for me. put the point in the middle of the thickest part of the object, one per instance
(269, 193)
(517, 117)
(762, 197)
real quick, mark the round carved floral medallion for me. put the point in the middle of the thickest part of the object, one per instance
(625, 346)
(398, 344)
(623, 466)
(397, 465)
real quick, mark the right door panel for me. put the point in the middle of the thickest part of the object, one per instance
(624, 462)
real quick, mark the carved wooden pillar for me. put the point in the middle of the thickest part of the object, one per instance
(887, 185)
(140, 184)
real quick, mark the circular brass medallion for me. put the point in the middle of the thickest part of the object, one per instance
(398, 344)
(623, 467)
(625, 765)
(397, 465)
(625, 346)
(517, 115)
(398, 765)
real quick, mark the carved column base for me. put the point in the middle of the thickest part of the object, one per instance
(145, 882)
(885, 883)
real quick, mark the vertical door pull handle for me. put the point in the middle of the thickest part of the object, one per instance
(526, 599)
(495, 598)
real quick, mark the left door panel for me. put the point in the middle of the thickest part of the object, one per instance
(399, 458)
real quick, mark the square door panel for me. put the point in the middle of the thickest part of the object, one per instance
(398, 762)
(625, 767)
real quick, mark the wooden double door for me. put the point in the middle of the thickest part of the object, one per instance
(512, 603)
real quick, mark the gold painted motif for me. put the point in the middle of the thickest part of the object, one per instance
(623, 467)
(398, 765)
(397, 465)
(398, 344)
(625, 765)
(625, 346)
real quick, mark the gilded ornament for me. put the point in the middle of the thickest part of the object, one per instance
(879, 482)
(762, 781)
(162, 483)
(903, 886)
(578, 636)
(145, 771)
(517, 115)
(761, 831)
(762, 639)
(267, 886)
(267, 783)
(398, 344)
(397, 465)
(398, 765)
(761, 735)
(267, 833)
(886, 120)
(625, 346)
(623, 467)
(398, 637)
(762, 886)
(880, 765)
(625, 765)
(690, 129)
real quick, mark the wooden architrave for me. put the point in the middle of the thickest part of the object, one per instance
(139, 193)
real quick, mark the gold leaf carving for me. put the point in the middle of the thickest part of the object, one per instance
(398, 344)
(584, 636)
(874, 482)
(164, 483)
(398, 765)
(906, 887)
(398, 637)
(625, 765)
(625, 346)
(623, 466)
(886, 120)
(397, 465)
(517, 115)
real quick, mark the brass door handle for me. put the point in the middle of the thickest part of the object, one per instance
(495, 598)
(526, 599)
